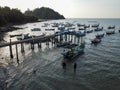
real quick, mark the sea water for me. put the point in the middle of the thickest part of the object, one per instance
(97, 69)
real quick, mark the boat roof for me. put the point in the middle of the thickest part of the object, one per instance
(71, 46)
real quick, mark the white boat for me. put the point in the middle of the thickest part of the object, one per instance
(36, 29)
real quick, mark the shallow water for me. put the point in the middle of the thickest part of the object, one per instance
(97, 69)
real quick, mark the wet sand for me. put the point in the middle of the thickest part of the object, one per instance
(43, 71)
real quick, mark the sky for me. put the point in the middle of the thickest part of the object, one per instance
(71, 8)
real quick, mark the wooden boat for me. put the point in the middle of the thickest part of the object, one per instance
(81, 25)
(49, 29)
(100, 36)
(96, 40)
(23, 36)
(110, 32)
(119, 31)
(89, 31)
(73, 50)
(15, 35)
(95, 25)
(111, 27)
(36, 29)
(86, 26)
(98, 29)
(82, 28)
(62, 44)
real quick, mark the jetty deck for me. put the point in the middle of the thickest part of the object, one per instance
(26, 40)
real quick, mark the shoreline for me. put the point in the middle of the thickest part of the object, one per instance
(11, 27)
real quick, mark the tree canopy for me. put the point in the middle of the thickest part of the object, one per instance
(44, 13)
(8, 15)
(14, 15)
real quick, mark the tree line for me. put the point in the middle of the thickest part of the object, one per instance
(14, 15)
(44, 13)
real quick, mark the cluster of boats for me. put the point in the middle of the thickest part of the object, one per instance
(71, 50)
(25, 36)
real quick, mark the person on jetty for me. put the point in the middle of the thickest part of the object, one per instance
(75, 66)
(64, 65)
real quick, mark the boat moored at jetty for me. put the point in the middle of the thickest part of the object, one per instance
(73, 50)
(15, 35)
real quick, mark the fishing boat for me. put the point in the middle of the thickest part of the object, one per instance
(119, 31)
(62, 44)
(23, 36)
(82, 28)
(98, 29)
(49, 29)
(36, 29)
(95, 25)
(100, 36)
(96, 40)
(15, 35)
(89, 31)
(73, 50)
(110, 32)
(111, 27)
(87, 26)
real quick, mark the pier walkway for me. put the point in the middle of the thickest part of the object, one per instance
(26, 40)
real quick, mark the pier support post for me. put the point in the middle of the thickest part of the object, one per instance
(74, 39)
(17, 54)
(22, 48)
(81, 40)
(65, 37)
(60, 38)
(68, 37)
(71, 38)
(40, 45)
(78, 40)
(32, 46)
(10, 47)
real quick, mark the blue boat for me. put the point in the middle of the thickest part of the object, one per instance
(73, 50)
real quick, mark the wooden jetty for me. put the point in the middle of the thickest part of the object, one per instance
(26, 40)
(38, 40)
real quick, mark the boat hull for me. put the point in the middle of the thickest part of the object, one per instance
(72, 57)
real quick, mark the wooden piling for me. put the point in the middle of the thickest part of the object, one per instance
(78, 40)
(10, 47)
(17, 54)
(22, 48)
(65, 37)
(38, 45)
(71, 38)
(74, 39)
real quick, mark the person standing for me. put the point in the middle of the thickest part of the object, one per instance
(64, 65)
(75, 66)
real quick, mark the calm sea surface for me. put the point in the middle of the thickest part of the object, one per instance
(97, 69)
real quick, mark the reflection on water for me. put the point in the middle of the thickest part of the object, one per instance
(41, 69)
